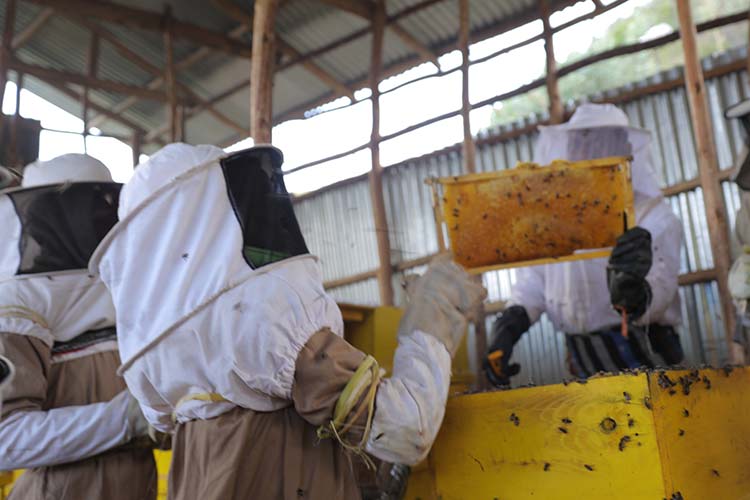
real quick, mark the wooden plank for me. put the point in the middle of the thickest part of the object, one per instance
(355, 7)
(550, 442)
(170, 80)
(136, 146)
(181, 65)
(92, 64)
(132, 17)
(411, 41)
(553, 90)
(132, 56)
(67, 77)
(262, 70)
(713, 199)
(385, 282)
(469, 149)
(704, 435)
(15, 124)
(239, 14)
(31, 29)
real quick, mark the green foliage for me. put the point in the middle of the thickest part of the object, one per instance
(619, 71)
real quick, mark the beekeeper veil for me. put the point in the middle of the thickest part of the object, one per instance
(598, 131)
(195, 222)
(58, 216)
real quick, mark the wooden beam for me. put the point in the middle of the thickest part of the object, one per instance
(553, 91)
(92, 63)
(170, 81)
(469, 148)
(6, 50)
(136, 146)
(358, 8)
(141, 62)
(99, 109)
(15, 123)
(32, 28)
(65, 77)
(147, 20)
(469, 156)
(411, 41)
(385, 281)
(716, 215)
(262, 70)
(246, 20)
(190, 60)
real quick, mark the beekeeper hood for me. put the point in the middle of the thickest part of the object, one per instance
(598, 131)
(6, 375)
(52, 224)
(195, 223)
(9, 178)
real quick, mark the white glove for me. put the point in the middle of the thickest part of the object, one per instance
(739, 276)
(137, 424)
(442, 301)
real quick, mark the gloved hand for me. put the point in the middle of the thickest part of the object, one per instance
(506, 332)
(441, 303)
(628, 266)
(739, 276)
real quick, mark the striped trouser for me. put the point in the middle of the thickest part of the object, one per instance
(608, 351)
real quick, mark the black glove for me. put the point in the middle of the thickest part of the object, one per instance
(666, 343)
(506, 332)
(628, 266)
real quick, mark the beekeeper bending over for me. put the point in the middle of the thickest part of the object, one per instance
(67, 417)
(229, 339)
(586, 298)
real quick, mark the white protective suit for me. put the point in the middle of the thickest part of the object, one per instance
(575, 295)
(195, 318)
(51, 308)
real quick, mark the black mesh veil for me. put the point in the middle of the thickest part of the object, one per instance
(61, 225)
(255, 184)
(598, 142)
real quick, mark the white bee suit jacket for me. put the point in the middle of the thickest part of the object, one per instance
(54, 307)
(195, 318)
(575, 295)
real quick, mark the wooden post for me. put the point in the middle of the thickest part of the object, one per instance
(707, 160)
(470, 167)
(262, 69)
(14, 156)
(385, 274)
(170, 80)
(469, 149)
(553, 91)
(93, 60)
(6, 51)
(136, 146)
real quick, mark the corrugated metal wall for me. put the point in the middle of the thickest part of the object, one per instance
(338, 225)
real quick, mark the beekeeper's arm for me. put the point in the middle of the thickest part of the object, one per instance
(397, 421)
(666, 243)
(31, 436)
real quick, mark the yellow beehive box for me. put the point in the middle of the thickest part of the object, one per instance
(681, 435)
(373, 330)
(531, 214)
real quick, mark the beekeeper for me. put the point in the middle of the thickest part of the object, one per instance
(586, 299)
(230, 341)
(739, 275)
(67, 416)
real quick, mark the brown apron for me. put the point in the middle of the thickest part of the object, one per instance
(246, 454)
(124, 474)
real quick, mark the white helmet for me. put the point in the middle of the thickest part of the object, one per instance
(64, 169)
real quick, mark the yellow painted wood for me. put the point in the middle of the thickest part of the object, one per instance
(163, 461)
(496, 445)
(704, 435)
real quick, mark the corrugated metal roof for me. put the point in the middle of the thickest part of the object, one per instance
(306, 25)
